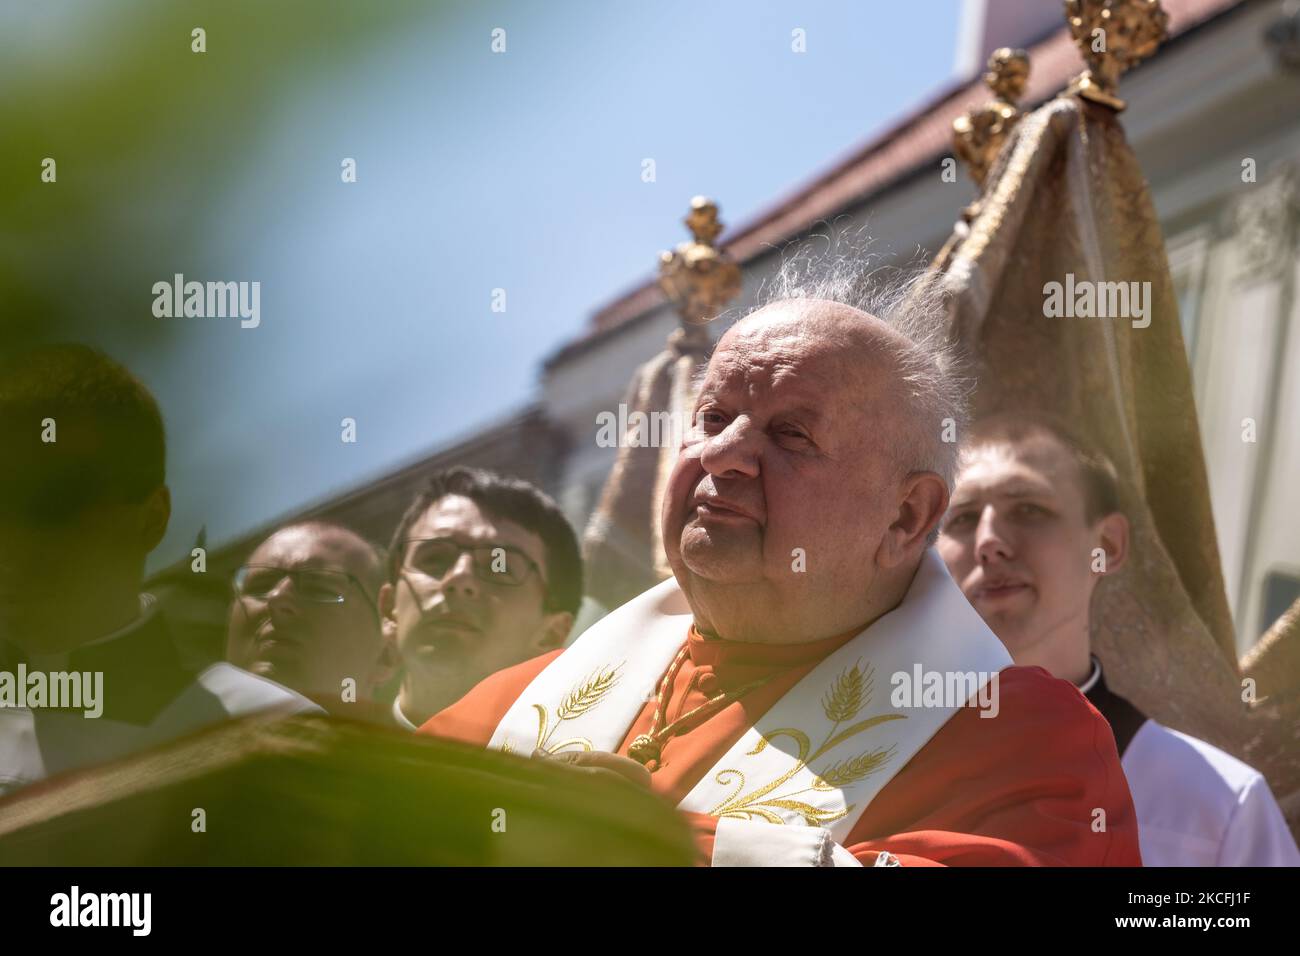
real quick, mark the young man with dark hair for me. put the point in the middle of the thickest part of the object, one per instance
(1032, 505)
(484, 572)
(83, 501)
(306, 614)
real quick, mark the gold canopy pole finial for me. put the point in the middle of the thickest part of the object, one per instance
(698, 277)
(1112, 35)
(978, 135)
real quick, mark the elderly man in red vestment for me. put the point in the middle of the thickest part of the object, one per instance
(811, 687)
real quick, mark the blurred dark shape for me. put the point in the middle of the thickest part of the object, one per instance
(83, 501)
(80, 430)
(325, 792)
(82, 495)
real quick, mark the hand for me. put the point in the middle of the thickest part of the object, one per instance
(602, 764)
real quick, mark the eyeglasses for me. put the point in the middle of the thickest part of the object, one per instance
(318, 585)
(493, 563)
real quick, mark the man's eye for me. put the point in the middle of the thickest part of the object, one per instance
(320, 586)
(708, 418)
(958, 521)
(1031, 511)
(261, 582)
(433, 561)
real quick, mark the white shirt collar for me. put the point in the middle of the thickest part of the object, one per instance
(1093, 677)
(399, 716)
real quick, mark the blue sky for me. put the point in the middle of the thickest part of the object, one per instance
(477, 170)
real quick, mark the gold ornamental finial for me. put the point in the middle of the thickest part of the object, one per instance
(978, 135)
(698, 277)
(1113, 35)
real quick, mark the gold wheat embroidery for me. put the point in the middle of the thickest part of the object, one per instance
(845, 699)
(584, 696)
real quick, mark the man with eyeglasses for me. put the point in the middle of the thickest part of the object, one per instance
(305, 614)
(83, 500)
(484, 573)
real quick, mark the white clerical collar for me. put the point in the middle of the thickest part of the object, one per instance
(1093, 677)
(400, 717)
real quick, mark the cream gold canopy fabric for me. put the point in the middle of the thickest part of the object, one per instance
(1066, 203)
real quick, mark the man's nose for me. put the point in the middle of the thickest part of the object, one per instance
(991, 541)
(460, 577)
(281, 599)
(733, 452)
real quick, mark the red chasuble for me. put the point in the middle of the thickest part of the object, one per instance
(1023, 789)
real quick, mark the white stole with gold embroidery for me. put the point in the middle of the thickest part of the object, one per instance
(821, 754)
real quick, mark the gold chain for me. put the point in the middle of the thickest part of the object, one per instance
(647, 748)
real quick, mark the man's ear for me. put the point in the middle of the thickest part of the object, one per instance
(555, 628)
(155, 514)
(1112, 536)
(388, 612)
(390, 662)
(923, 502)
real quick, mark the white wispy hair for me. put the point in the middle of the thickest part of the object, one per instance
(932, 370)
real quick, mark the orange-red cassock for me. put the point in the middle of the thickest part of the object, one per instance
(1038, 785)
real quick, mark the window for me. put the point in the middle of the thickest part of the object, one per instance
(1281, 589)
